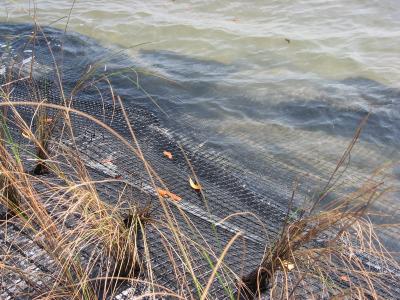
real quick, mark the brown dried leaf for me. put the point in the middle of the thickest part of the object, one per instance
(106, 161)
(167, 154)
(167, 194)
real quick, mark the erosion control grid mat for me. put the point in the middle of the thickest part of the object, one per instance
(233, 199)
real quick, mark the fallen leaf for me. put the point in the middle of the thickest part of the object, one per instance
(194, 185)
(288, 265)
(344, 278)
(167, 194)
(175, 197)
(117, 176)
(106, 161)
(162, 193)
(167, 154)
(49, 120)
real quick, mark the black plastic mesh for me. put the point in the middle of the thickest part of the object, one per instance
(229, 187)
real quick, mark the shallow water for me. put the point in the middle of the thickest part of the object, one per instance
(274, 76)
(276, 87)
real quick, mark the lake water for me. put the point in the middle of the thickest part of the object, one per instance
(262, 81)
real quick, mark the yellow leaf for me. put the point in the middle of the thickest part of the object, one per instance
(288, 265)
(194, 185)
(167, 154)
(167, 194)
(26, 135)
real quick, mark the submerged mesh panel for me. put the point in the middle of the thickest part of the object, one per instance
(229, 188)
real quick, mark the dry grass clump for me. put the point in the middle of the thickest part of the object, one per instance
(324, 250)
(21, 197)
(72, 218)
(313, 246)
(94, 243)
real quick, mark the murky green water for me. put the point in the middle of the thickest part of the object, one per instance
(310, 68)
(328, 39)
